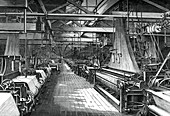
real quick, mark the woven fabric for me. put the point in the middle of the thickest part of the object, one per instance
(12, 45)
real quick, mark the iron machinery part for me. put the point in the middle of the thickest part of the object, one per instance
(30, 101)
(157, 101)
(160, 82)
(30, 97)
(24, 98)
(120, 84)
(153, 28)
(126, 90)
(156, 79)
(8, 84)
(164, 83)
(143, 112)
(1, 88)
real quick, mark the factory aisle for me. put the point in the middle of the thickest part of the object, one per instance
(73, 96)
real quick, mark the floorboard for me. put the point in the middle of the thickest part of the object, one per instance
(67, 94)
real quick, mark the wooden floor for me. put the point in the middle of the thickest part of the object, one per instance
(67, 94)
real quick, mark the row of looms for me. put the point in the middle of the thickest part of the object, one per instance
(122, 47)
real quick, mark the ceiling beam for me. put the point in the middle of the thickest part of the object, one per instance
(115, 14)
(103, 7)
(51, 5)
(63, 36)
(80, 7)
(156, 5)
(143, 15)
(57, 8)
(77, 18)
(99, 19)
(99, 3)
(73, 35)
(76, 42)
(86, 29)
(77, 23)
(30, 9)
(58, 37)
(42, 6)
(81, 39)
(45, 11)
(65, 22)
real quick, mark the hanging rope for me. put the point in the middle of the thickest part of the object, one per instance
(159, 50)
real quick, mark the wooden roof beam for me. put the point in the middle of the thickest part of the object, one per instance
(45, 11)
(57, 8)
(30, 9)
(103, 7)
(86, 29)
(74, 42)
(80, 7)
(77, 23)
(156, 5)
(42, 6)
(81, 39)
(76, 18)
(115, 14)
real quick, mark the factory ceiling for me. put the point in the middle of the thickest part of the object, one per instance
(80, 9)
(88, 18)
